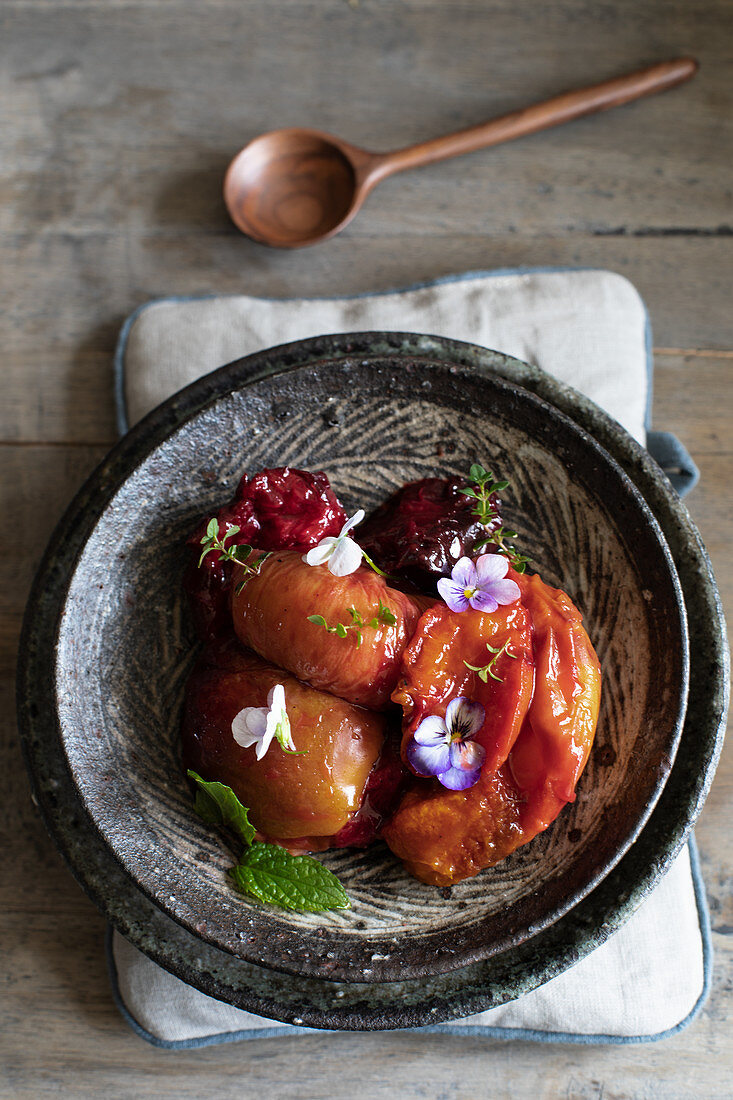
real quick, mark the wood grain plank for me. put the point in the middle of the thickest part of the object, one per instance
(111, 127)
(693, 397)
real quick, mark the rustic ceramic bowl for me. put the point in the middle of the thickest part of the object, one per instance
(107, 645)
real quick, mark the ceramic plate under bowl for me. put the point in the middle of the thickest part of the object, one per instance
(372, 420)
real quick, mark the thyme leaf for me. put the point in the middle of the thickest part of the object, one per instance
(239, 553)
(484, 671)
(484, 486)
(384, 617)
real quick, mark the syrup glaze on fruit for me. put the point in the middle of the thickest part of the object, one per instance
(422, 530)
(346, 698)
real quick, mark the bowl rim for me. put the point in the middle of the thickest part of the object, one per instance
(302, 353)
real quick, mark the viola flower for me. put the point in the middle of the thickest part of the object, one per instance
(481, 586)
(340, 553)
(259, 725)
(443, 747)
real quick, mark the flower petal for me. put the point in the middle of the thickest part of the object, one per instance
(428, 759)
(483, 599)
(276, 698)
(505, 591)
(249, 725)
(453, 595)
(431, 731)
(464, 573)
(265, 743)
(456, 779)
(278, 722)
(464, 717)
(320, 554)
(467, 755)
(356, 518)
(345, 559)
(491, 567)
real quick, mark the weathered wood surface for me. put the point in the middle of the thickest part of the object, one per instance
(118, 119)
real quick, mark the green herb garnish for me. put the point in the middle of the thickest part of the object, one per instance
(273, 876)
(268, 872)
(217, 804)
(485, 484)
(384, 617)
(239, 553)
(484, 671)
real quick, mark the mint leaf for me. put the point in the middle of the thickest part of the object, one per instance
(217, 804)
(274, 877)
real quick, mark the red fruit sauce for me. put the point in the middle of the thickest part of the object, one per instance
(422, 530)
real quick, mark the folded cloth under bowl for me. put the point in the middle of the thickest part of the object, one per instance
(589, 329)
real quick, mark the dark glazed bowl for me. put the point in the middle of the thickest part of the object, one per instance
(106, 649)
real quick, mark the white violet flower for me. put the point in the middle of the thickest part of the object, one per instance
(341, 554)
(259, 725)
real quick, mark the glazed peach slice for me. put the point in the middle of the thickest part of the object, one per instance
(443, 836)
(556, 739)
(271, 613)
(435, 669)
(303, 797)
(446, 836)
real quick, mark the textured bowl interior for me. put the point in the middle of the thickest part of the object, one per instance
(124, 649)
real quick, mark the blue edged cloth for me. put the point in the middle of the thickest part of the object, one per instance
(591, 330)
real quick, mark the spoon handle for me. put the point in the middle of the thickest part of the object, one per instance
(540, 116)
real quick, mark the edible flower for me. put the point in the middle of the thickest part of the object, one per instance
(481, 586)
(443, 747)
(340, 553)
(259, 725)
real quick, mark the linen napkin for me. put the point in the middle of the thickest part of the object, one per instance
(589, 329)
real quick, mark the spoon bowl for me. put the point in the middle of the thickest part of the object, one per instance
(291, 188)
(296, 187)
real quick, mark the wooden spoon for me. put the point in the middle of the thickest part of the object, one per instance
(295, 187)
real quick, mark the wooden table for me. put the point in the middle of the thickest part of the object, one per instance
(119, 120)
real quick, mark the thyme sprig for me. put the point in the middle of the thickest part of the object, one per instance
(484, 671)
(384, 617)
(239, 553)
(484, 486)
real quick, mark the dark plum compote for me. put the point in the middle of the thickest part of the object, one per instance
(422, 530)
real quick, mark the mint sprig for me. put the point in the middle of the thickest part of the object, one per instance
(267, 872)
(275, 877)
(384, 617)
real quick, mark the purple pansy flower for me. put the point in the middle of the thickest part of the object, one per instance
(481, 586)
(443, 747)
